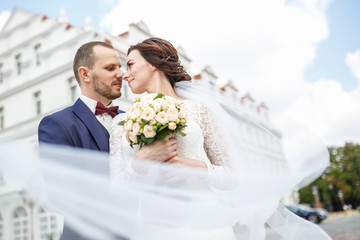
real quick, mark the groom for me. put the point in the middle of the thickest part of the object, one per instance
(86, 124)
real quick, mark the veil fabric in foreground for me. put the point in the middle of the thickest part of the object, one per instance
(163, 201)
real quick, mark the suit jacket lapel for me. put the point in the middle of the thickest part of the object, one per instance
(96, 129)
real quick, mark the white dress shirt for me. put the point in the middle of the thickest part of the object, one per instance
(105, 119)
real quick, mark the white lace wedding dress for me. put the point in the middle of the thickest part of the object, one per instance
(201, 142)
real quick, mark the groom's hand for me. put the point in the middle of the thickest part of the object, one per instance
(159, 150)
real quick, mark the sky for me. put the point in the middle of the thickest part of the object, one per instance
(301, 57)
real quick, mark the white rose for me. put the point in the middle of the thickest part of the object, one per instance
(149, 131)
(165, 106)
(171, 101)
(172, 126)
(152, 122)
(148, 102)
(135, 113)
(160, 103)
(162, 118)
(136, 128)
(148, 113)
(182, 114)
(137, 106)
(173, 114)
(126, 133)
(128, 125)
(133, 137)
(157, 106)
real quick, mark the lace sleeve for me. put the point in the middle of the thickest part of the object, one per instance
(116, 164)
(213, 146)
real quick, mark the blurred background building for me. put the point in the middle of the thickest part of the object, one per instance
(36, 79)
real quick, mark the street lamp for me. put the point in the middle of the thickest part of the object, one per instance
(341, 197)
(331, 187)
(316, 197)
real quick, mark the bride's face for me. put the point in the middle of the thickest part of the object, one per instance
(139, 73)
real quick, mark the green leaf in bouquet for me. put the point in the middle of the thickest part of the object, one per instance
(147, 140)
(159, 95)
(163, 127)
(144, 122)
(181, 133)
(162, 135)
(122, 123)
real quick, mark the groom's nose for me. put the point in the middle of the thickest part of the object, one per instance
(119, 74)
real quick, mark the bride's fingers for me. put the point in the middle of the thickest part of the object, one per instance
(170, 136)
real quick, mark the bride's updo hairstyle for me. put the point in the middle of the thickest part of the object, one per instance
(164, 56)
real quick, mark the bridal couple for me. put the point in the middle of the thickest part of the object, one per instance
(153, 66)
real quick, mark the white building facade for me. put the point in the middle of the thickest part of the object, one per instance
(36, 79)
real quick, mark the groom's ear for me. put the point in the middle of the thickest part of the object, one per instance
(84, 73)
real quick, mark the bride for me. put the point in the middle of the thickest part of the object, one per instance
(215, 181)
(153, 66)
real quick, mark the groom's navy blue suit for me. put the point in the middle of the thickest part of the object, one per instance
(74, 126)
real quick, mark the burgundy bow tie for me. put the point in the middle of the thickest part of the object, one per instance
(100, 109)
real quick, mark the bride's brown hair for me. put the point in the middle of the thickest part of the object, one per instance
(164, 56)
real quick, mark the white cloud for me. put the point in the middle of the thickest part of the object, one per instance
(264, 46)
(353, 61)
(330, 111)
(4, 15)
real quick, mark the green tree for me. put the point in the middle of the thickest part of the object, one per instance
(342, 174)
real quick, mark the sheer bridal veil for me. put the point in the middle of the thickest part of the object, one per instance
(168, 202)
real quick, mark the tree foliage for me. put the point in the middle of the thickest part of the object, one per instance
(340, 179)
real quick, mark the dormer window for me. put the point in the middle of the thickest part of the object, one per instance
(18, 63)
(37, 102)
(37, 54)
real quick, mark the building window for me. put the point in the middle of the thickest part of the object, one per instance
(1, 118)
(48, 225)
(37, 101)
(18, 63)
(73, 86)
(20, 224)
(37, 54)
(1, 74)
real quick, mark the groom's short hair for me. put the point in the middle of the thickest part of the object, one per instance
(85, 56)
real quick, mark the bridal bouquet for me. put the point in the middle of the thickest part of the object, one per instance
(152, 117)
